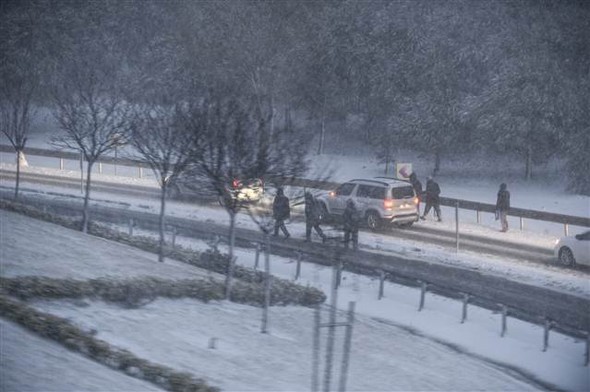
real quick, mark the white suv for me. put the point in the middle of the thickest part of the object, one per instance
(380, 201)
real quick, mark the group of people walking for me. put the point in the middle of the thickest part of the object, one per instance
(313, 215)
(351, 219)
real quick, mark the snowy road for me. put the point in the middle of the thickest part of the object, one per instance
(419, 233)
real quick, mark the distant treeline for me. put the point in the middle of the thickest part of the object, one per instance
(439, 77)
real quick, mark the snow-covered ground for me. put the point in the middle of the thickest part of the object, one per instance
(394, 346)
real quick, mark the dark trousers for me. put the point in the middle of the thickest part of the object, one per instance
(280, 224)
(316, 226)
(436, 207)
(354, 233)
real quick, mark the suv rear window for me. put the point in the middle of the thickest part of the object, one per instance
(373, 192)
(402, 193)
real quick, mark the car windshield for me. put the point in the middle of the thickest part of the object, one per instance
(402, 192)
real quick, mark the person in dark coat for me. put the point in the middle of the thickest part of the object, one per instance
(432, 196)
(281, 211)
(417, 185)
(502, 206)
(351, 224)
(312, 217)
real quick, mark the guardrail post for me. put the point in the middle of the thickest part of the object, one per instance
(99, 167)
(257, 257)
(381, 283)
(504, 310)
(457, 225)
(423, 289)
(131, 224)
(298, 268)
(521, 223)
(61, 163)
(546, 328)
(466, 298)
(173, 236)
(140, 172)
(566, 229)
(478, 216)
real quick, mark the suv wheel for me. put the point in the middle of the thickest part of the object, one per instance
(566, 257)
(373, 221)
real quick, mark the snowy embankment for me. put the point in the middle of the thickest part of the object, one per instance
(394, 347)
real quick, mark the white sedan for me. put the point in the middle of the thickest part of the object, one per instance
(570, 251)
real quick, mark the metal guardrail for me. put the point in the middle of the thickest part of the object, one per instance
(478, 207)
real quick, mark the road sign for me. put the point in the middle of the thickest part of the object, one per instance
(403, 170)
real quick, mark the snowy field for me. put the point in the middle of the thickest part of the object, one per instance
(394, 346)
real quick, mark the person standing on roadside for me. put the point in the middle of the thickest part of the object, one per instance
(312, 217)
(417, 185)
(351, 225)
(281, 211)
(502, 206)
(432, 199)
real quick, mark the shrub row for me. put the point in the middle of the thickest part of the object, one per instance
(63, 332)
(284, 292)
(136, 292)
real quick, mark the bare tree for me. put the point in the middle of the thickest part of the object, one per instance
(18, 83)
(161, 138)
(92, 114)
(237, 143)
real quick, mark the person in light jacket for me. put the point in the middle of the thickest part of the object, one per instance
(502, 206)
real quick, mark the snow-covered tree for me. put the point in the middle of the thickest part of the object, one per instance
(236, 143)
(160, 136)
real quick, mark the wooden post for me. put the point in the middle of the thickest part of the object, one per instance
(478, 216)
(504, 315)
(381, 283)
(587, 353)
(347, 346)
(140, 172)
(423, 288)
(257, 257)
(566, 229)
(173, 236)
(61, 163)
(298, 268)
(521, 223)
(100, 167)
(131, 224)
(547, 325)
(315, 357)
(466, 298)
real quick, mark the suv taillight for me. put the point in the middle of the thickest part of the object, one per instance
(416, 200)
(332, 194)
(388, 204)
(235, 184)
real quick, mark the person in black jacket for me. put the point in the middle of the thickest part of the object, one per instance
(351, 224)
(417, 185)
(502, 206)
(432, 199)
(312, 217)
(281, 211)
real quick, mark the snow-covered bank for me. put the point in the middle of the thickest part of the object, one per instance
(394, 346)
